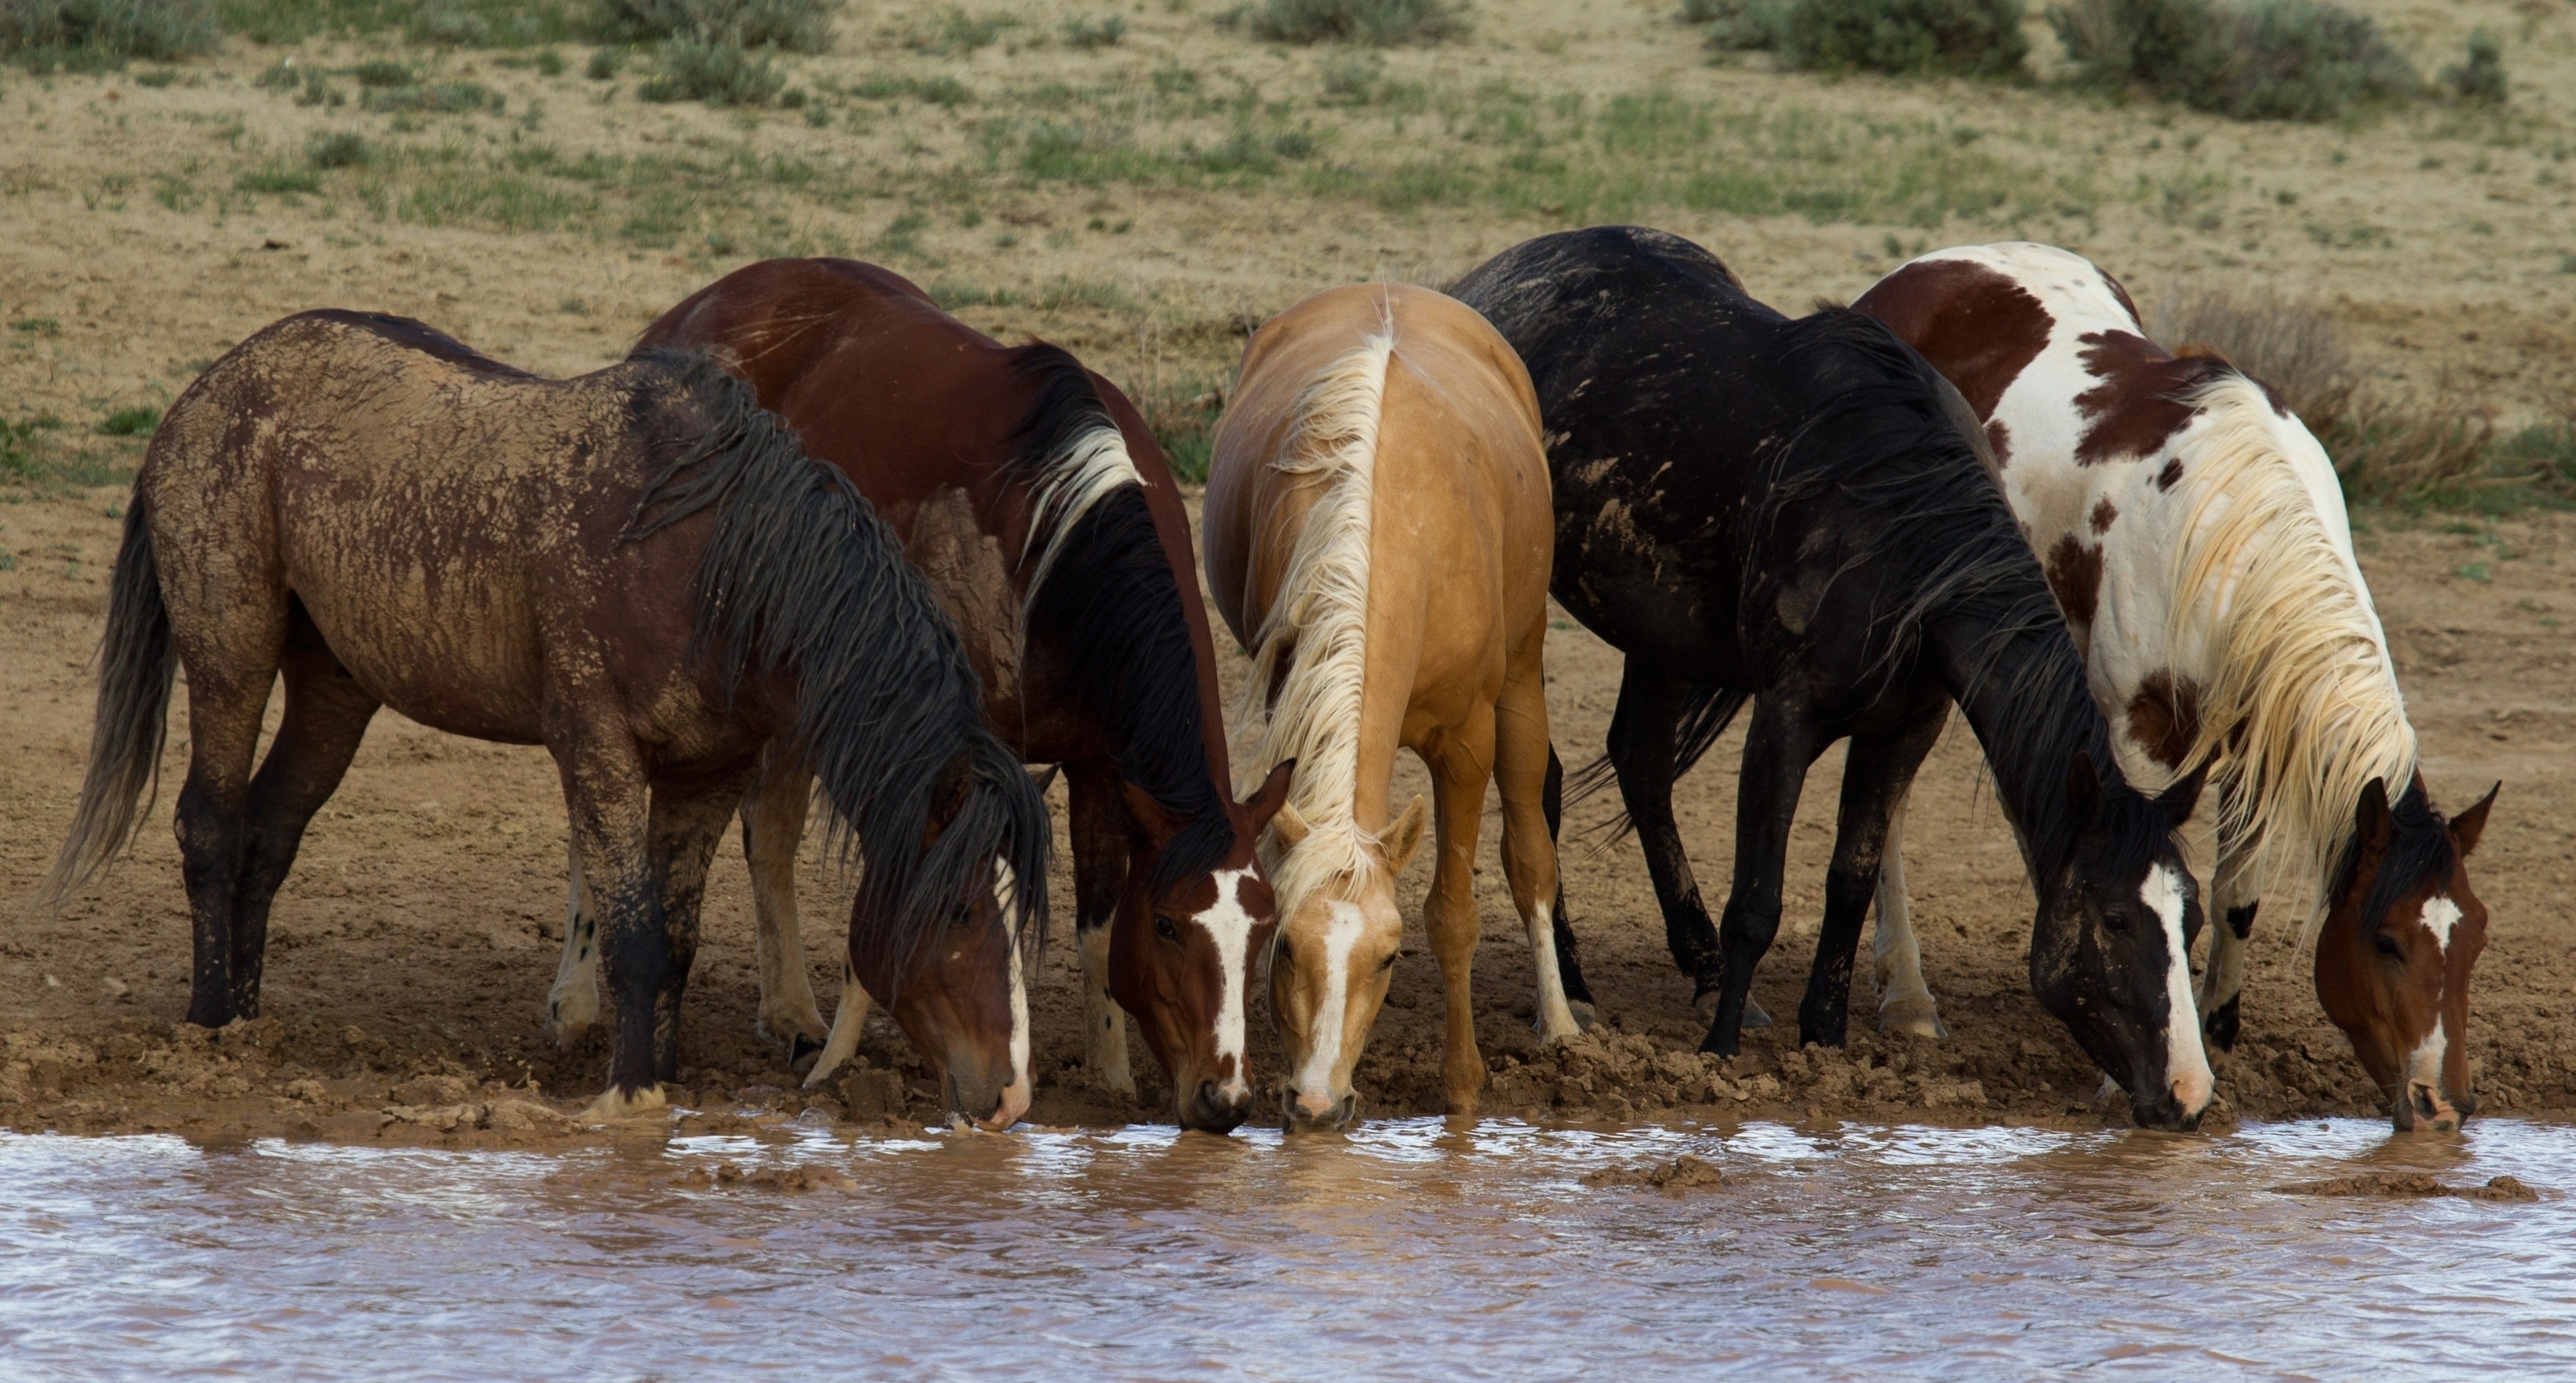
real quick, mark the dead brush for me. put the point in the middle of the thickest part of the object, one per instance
(2386, 448)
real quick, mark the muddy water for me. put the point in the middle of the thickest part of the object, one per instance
(1410, 1250)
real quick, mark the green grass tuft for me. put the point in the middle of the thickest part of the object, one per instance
(130, 422)
(1379, 22)
(1969, 38)
(722, 73)
(93, 35)
(794, 26)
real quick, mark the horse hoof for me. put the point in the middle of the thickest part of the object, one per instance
(802, 1051)
(1754, 1016)
(612, 1106)
(568, 1035)
(1585, 1015)
(1911, 1022)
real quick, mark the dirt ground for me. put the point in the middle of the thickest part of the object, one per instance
(143, 230)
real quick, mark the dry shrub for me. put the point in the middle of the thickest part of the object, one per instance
(2386, 448)
(2254, 60)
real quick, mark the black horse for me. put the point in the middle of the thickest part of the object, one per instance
(1751, 507)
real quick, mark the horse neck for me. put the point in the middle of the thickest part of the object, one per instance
(2021, 687)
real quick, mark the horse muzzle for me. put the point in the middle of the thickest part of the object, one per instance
(2426, 1108)
(994, 1111)
(1319, 1113)
(1217, 1107)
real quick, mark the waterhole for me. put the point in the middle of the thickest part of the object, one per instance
(1412, 1249)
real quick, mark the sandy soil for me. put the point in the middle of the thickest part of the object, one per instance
(412, 948)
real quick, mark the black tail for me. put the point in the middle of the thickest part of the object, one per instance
(136, 659)
(1706, 713)
(802, 576)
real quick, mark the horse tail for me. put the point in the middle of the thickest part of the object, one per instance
(1706, 712)
(800, 575)
(137, 658)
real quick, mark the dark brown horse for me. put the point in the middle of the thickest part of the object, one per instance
(1033, 496)
(637, 569)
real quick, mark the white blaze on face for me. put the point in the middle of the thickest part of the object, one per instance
(1015, 1096)
(1315, 1078)
(2440, 916)
(1229, 925)
(2186, 1064)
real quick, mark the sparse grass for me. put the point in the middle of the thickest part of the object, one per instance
(793, 26)
(1379, 22)
(1183, 410)
(1969, 38)
(960, 33)
(337, 149)
(2261, 60)
(450, 23)
(1095, 33)
(2482, 77)
(721, 72)
(433, 98)
(942, 90)
(1739, 26)
(276, 178)
(92, 35)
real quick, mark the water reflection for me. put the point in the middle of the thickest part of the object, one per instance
(1411, 1249)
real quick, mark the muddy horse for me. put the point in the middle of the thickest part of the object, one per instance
(637, 569)
(2194, 533)
(1790, 512)
(1378, 535)
(1033, 497)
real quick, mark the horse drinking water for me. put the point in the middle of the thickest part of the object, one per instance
(1377, 534)
(2196, 539)
(1034, 499)
(1787, 511)
(637, 569)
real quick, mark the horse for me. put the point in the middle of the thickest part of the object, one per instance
(1033, 498)
(637, 569)
(2195, 537)
(1378, 536)
(1751, 507)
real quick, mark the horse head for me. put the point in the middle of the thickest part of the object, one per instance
(1181, 952)
(2110, 956)
(1329, 968)
(2402, 933)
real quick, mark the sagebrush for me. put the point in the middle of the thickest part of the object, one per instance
(2264, 60)
(1970, 38)
(87, 35)
(1360, 21)
(793, 26)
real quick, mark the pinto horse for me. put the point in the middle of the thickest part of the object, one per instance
(1033, 497)
(2196, 539)
(637, 569)
(1787, 511)
(1377, 534)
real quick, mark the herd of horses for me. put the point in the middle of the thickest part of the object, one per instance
(815, 533)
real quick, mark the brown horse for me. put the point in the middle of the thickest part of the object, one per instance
(1378, 532)
(637, 569)
(1034, 498)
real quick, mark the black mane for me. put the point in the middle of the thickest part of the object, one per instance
(1112, 607)
(801, 574)
(2419, 848)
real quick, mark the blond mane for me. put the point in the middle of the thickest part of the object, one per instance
(2304, 710)
(1312, 645)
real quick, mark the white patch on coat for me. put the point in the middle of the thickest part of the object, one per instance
(1229, 924)
(2186, 1064)
(2440, 916)
(1005, 894)
(1315, 1078)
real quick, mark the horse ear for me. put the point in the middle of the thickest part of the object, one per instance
(1405, 836)
(2470, 824)
(2083, 792)
(1273, 795)
(1043, 781)
(2371, 825)
(1157, 824)
(2180, 800)
(1288, 824)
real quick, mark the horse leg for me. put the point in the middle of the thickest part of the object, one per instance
(686, 823)
(773, 825)
(2234, 889)
(1877, 770)
(1569, 966)
(1778, 747)
(1100, 834)
(1522, 760)
(326, 718)
(1904, 1001)
(225, 705)
(1461, 766)
(572, 1005)
(608, 802)
(1643, 741)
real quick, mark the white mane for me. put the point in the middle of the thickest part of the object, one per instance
(2304, 708)
(1086, 469)
(1317, 625)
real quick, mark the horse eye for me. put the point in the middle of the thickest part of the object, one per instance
(2116, 921)
(1164, 928)
(2387, 946)
(1389, 962)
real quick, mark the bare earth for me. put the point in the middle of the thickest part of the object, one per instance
(411, 949)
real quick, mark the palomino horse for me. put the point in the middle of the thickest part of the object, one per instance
(1751, 506)
(637, 569)
(1377, 533)
(2195, 536)
(1035, 500)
